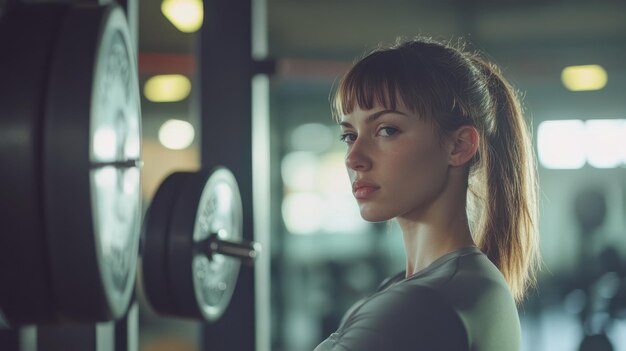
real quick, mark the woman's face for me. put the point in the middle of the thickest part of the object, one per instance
(395, 161)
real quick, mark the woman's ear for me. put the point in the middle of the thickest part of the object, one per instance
(463, 145)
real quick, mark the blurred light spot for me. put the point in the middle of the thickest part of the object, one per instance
(342, 215)
(185, 15)
(303, 212)
(311, 137)
(561, 144)
(167, 88)
(333, 175)
(606, 142)
(575, 301)
(299, 170)
(104, 144)
(586, 77)
(176, 134)
(319, 196)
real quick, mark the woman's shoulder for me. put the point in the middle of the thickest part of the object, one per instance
(462, 277)
(465, 274)
(476, 281)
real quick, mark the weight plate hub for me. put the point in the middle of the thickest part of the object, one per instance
(193, 244)
(84, 162)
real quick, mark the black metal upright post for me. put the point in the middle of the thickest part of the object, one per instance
(225, 66)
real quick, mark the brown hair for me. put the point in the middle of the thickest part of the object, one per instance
(450, 88)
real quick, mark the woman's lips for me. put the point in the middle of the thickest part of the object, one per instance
(364, 192)
(363, 189)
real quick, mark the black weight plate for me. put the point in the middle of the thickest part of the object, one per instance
(180, 246)
(154, 263)
(204, 282)
(27, 36)
(92, 133)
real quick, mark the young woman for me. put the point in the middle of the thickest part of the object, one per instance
(436, 139)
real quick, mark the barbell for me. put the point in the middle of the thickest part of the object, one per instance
(70, 145)
(193, 244)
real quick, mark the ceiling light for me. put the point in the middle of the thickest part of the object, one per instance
(185, 15)
(605, 142)
(176, 134)
(561, 144)
(167, 88)
(569, 144)
(582, 78)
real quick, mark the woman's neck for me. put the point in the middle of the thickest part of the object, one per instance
(428, 237)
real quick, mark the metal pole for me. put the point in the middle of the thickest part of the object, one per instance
(225, 66)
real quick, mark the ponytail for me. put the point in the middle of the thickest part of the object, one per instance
(506, 229)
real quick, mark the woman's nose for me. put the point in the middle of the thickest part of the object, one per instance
(357, 159)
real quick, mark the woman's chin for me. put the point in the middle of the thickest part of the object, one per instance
(371, 215)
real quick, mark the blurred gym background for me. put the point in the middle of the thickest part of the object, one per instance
(324, 257)
(567, 57)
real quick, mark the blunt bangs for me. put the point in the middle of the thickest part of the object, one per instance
(384, 78)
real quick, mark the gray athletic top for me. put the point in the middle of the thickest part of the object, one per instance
(459, 302)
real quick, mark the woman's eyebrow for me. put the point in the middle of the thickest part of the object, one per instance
(374, 116)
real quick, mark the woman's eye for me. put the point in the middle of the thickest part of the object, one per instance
(387, 131)
(348, 137)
